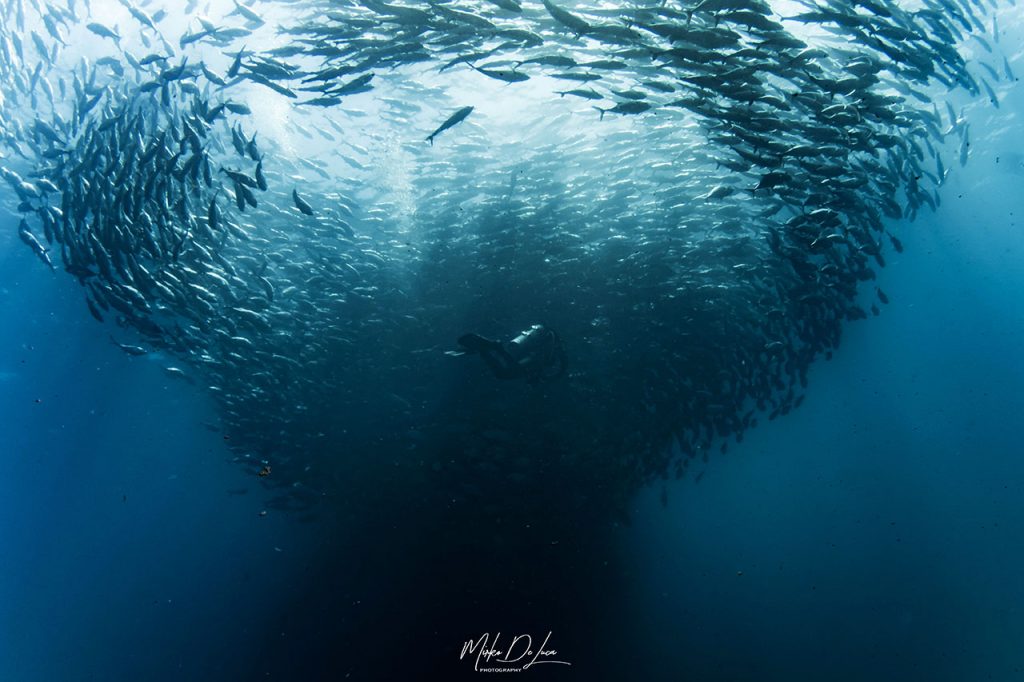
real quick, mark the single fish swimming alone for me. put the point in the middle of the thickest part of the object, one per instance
(301, 204)
(453, 120)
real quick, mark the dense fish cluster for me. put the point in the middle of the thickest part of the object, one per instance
(301, 205)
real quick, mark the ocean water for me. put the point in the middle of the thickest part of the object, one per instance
(874, 533)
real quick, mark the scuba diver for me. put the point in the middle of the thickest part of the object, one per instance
(536, 354)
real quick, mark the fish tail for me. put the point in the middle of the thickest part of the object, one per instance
(603, 112)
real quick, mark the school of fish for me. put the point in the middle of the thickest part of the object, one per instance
(299, 206)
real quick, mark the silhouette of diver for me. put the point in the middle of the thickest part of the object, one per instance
(536, 354)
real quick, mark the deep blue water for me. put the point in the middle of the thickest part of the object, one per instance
(876, 533)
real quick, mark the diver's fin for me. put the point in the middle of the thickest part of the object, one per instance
(474, 343)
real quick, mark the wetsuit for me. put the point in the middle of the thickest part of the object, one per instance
(535, 355)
